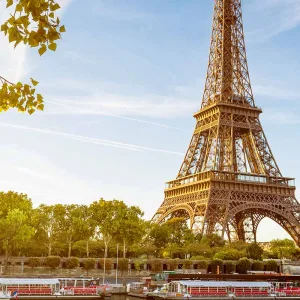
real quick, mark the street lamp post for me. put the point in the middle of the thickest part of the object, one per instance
(22, 264)
(117, 263)
(104, 266)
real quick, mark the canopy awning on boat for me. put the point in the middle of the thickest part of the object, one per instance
(197, 283)
(28, 281)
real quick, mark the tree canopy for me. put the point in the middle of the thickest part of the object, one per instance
(94, 230)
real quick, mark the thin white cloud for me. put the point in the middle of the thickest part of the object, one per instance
(33, 173)
(276, 92)
(105, 9)
(93, 112)
(281, 117)
(96, 141)
(153, 106)
(281, 16)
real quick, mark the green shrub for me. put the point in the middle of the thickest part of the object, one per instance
(257, 265)
(214, 265)
(230, 267)
(72, 263)
(172, 264)
(53, 262)
(197, 257)
(88, 264)
(202, 264)
(156, 265)
(108, 263)
(123, 264)
(229, 254)
(34, 262)
(243, 265)
(187, 264)
(139, 262)
(271, 265)
(254, 251)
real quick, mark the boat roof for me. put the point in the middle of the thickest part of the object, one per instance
(198, 283)
(28, 281)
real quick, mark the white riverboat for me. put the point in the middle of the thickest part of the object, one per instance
(197, 289)
(14, 287)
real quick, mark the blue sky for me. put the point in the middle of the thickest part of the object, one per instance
(120, 93)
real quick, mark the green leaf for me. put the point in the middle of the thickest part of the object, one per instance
(19, 7)
(39, 98)
(9, 3)
(54, 7)
(4, 27)
(42, 50)
(34, 82)
(40, 107)
(52, 46)
(62, 29)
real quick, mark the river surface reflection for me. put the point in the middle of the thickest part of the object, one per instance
(123, 297)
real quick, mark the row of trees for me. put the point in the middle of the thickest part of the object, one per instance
(61, 229)
(95, 230)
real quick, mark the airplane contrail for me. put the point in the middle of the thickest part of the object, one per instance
(90, 140)
(112, 115)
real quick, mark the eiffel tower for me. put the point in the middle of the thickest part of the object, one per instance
(229, 179)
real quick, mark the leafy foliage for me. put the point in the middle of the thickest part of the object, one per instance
(230, 267)
(156, 265)
(257, 265)
(34, 262)
(108, 263)
(254, 251)
(243, 265)
(202, 264)
(271, 265)
(15, 223)
(229, 254)
(33, 23)
(172, 264)
(215, 263)
(187, 264)
(88, 264)
(20, 96)
(123, 264)
(53, 262)
(72, 262)
(282, 248)
(139, 262)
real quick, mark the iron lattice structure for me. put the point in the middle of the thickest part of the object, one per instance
(229, 179)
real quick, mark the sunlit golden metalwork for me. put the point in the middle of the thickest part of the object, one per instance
(229, 180)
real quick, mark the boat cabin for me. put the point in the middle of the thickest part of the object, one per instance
(198, 288)
(30, 286)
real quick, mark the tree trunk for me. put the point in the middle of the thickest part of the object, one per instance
(124, 256)
(49, 248)
(124, 248)
(87, 249)
(105, 254)
(70, 248)
(6, 258)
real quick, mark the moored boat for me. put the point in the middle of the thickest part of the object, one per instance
(222, 289)
(47, 288)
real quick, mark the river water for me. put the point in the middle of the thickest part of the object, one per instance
(123, 297)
